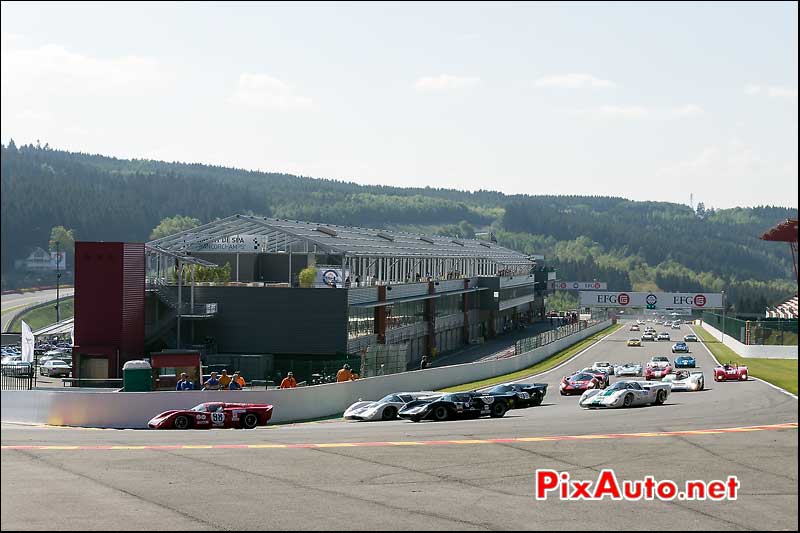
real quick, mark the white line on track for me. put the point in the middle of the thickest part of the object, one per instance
(786, 392)
(520, 380)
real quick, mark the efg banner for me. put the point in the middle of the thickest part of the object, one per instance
(652, 300)
(581, 285)
(331, 276)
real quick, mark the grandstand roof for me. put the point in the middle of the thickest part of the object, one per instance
(348, 240)
(783, 232)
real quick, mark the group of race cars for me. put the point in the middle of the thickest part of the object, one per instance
(593, 384)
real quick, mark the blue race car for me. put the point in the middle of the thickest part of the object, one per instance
(681, 347)
(685, 361)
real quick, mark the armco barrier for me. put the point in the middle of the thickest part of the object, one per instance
(755, 351)
(134, 409)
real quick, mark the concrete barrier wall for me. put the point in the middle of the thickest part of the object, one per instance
(134, 409)
(753, 350)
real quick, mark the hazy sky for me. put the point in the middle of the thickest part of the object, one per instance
(646, 101)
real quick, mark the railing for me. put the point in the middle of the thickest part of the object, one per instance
(531, 343)
(17, 377)
(94, 383)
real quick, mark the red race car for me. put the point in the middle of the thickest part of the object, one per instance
(579, 383)
(214, 415)
(730, 372)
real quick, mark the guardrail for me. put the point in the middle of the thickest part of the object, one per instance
(134, 409)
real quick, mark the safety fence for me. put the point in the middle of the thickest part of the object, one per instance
(18, 376)
(542, 339)
(762, 332)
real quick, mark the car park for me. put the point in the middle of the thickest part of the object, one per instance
(214, 415)
(454, 405)
(626, 393)
(18, 368)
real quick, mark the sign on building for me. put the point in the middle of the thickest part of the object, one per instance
(652, 300)
(581, 285)
(331, 276)
(242, 244)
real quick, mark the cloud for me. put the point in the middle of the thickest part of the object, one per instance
(573, 81)
(52, 68)
(445, 82)
(262, 91)
(772, 92)
(634, 112)
(733, 159)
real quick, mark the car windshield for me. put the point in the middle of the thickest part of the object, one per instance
(658, 359)
(57, 363)
(582, 377)
(390, 398)
(200, 408)
(501, 388)
(602, 364)
(619, 385)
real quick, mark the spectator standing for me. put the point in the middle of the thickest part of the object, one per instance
(234, 383)
(288, 382)
(347, 283)
(423, 364)
(212, 383)
(184, 383)
(344, 374)
(224, 380)
(240, 378)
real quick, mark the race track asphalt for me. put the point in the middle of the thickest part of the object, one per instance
(402, 475)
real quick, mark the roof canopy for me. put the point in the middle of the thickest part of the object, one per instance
(280, 235)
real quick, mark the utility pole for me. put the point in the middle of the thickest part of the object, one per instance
(58, 280)
(723, 318)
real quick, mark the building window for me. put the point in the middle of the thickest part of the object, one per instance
(405, 314)
(360, 322)
(449, 305)
(516, 292)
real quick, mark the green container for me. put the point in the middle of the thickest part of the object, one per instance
(137, 376)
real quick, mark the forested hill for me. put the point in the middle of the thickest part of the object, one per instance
(632, 245)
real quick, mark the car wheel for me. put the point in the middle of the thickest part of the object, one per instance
(440, 413)
(661, 396)
(250, 421)
(498, 410)
(701, 385)
(390, 413)
(181, 422)
(537, 400)
(628, 401)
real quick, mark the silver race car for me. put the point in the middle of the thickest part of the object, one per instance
(685, 380)
(626, 393)
(628, 369)
(384, 409)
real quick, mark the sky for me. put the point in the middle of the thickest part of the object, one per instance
(648, 101)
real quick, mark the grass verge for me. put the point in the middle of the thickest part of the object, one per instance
(779, 372)
(541, 366)
(44, 316)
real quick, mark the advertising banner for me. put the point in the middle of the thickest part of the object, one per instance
(581, 285)
(652, 300)
(331, 276)
(241, 244)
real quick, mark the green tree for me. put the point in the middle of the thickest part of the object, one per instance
(63, 240)
(307, 277)
(171, 225)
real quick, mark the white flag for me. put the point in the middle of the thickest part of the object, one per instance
(72, 336)
(27, 343)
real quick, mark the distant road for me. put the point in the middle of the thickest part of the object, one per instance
(13, 303)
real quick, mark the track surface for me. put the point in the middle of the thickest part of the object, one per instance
(14, 303)
(487, 485)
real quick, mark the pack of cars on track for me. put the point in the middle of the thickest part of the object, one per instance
(662, 377)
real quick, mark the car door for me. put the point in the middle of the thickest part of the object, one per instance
(640, 395)
(218, 416)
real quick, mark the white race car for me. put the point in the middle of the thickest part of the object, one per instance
(628, 369)
(386, 408)
(605, 366)
(626, 393)
(685, 380)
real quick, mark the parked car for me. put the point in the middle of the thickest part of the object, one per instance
(55, 368)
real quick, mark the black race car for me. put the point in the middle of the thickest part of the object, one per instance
(454, 405)
(519, 395)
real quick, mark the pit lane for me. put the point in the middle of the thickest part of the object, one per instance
(465, 485)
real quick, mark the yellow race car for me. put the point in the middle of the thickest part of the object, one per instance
(634, 342)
